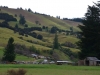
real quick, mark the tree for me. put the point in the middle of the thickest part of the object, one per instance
(89, 43)
(26, 25)
(71, 30)
(37, 22)
(55, 43)
(29, 10)
(16, 26)
(53, 30)
(40, 37)
(9, 53)
(22, 20)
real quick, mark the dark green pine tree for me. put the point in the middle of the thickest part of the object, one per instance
(9, 53)
(22, 20)
(55, 43)
(89, 44)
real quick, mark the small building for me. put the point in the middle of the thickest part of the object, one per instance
(91, 61)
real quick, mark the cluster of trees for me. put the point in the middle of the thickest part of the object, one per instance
(7, 17)
(4, 6)
(6, 25)
(58, 17)
(67, 32)
(89, 43)
(74, 19)
(28, 31)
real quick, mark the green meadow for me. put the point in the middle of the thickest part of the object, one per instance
(52, 69)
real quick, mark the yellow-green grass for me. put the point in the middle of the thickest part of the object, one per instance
(62, 38)
(51, 23)
(74, 50)
(58, 22)
(5, 34)
(1, 20)
(53, 69)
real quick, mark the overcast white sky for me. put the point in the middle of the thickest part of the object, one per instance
(62, 8)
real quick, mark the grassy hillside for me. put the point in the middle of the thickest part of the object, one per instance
(43, 20)
(5, 34)
(47, 42)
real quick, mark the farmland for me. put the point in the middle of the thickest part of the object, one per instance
(53, 69)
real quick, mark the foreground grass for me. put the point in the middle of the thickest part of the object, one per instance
(53, 69)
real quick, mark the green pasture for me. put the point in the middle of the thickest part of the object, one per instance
(52, 69)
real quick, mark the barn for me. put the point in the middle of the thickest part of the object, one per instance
(91, 61)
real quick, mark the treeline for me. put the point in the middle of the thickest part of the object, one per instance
(7, 17)
(4, 6)
(74, 19)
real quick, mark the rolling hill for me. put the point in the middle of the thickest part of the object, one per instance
(44, 20)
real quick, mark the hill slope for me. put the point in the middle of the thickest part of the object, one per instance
(47, 42)
(43, 19)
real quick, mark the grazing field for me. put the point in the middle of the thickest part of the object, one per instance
(53, 69)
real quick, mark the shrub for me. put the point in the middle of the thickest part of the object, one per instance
(16, 72)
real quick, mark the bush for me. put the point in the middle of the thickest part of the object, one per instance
(40, 37)
(16, 72)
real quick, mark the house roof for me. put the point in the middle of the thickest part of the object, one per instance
(92, 58)
(64, 62)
